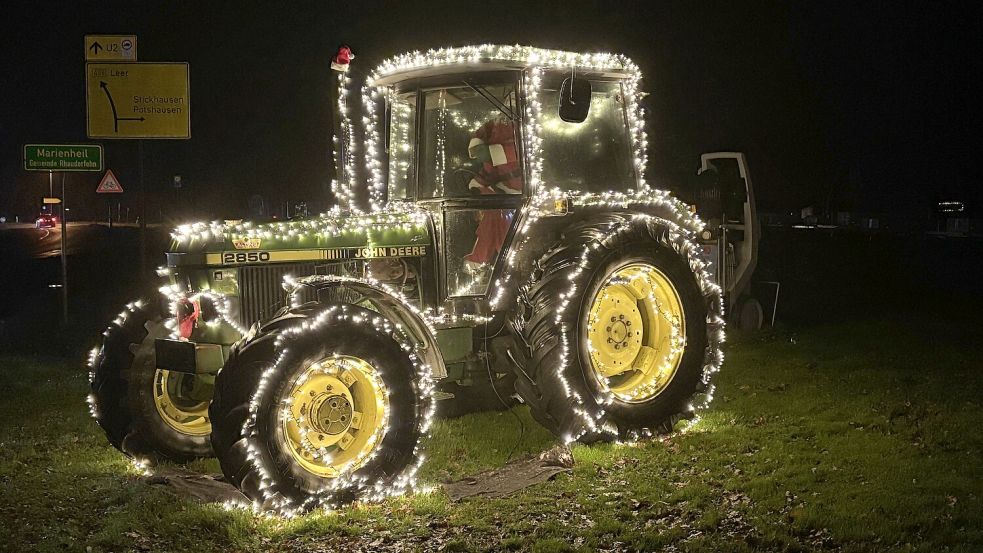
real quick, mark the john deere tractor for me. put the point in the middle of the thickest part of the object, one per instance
(496, 241)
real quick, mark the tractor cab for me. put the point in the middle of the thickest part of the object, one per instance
(476, 144)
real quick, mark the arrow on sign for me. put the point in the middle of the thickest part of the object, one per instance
(95, 48)
(112, 105)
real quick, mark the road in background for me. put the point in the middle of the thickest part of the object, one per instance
(36, 243)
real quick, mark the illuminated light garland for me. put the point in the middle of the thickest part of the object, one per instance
(330, 225)
(223, 307)
(373, 164)
(594, 421)
(345, 186)
(540, 204)
(367, 491)
(462, 122)
(440, 157)
(141, 466)
(402, 122)
(483, 53)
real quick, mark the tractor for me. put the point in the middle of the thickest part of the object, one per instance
(495, 241)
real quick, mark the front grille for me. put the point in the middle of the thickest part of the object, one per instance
(261, 289)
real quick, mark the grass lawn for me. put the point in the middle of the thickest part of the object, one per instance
(858, 437)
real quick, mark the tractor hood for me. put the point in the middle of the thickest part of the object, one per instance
(399, 232)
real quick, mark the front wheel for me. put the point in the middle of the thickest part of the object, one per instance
(147, 413)
(622, 329)
(321, 407)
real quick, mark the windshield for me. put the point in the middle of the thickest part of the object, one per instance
(592, 156)
(469, 140)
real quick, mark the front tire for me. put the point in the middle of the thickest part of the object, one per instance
(147, 413)
(321, 416)
(636, 372)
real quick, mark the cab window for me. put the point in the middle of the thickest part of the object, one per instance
(594, 155)
(468, 140)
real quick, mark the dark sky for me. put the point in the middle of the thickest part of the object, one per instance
(863, 107)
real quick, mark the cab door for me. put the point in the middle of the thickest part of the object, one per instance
(738, 220)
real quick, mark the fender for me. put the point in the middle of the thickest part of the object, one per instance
(386, 301)
(535, 235)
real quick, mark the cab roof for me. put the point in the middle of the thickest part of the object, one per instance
(486, 57)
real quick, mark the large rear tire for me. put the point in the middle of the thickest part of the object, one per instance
(321, 416)
(148, 414)
(589, 374)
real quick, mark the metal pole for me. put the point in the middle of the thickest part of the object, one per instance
(64, 255)
(51, 188)
(143, 216)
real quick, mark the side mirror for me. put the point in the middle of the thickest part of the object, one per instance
(575, 97)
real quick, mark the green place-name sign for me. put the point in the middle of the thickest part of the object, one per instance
(62, 157)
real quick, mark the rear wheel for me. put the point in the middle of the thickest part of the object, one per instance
(323, 416)
(748, 315)
(618, 332)
(147, 413)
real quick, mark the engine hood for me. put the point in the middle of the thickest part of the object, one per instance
(403, 232)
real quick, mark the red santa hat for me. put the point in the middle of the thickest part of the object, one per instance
(342, 59)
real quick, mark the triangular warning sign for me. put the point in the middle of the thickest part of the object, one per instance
(109, 184)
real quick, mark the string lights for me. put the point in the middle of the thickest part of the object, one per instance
(406, 217)
(641, 205)
(344, 147)
(347, 479)
(542, 198)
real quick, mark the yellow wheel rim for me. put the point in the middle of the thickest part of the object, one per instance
(179, 411)
(636, 332)
(333, 415)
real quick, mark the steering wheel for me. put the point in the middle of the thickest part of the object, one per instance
(462, 178)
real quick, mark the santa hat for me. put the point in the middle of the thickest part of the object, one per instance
(342, 59)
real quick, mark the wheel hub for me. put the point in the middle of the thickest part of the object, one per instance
(635, 332)
(333, 414)
(174, 398)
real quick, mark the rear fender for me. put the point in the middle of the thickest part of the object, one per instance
(538, 234)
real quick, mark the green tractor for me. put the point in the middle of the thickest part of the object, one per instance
(496, 242)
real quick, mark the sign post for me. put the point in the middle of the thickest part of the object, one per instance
(64, 256)
(109, 185)
(62, 158)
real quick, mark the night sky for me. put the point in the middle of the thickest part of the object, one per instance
(859, 108)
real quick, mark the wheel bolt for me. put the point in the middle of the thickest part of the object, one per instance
(613, 319)
(608, 329)
(627, 323)
(610, 341)
(621, 317)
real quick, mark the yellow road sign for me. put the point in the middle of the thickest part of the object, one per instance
(110, 48)
(137, 100)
